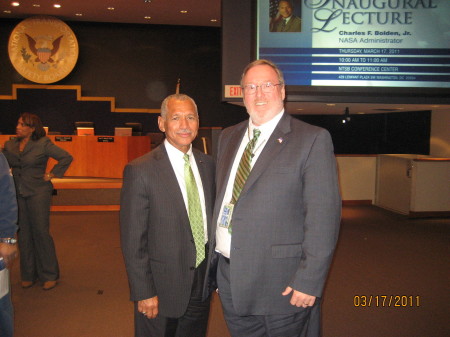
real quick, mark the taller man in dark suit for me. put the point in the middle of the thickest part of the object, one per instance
(276, 229)
(165, 253)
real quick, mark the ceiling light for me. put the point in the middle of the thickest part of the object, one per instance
(15, 4)
(57, 5)
(213, 20)
(79, 14)
(36, 5)
(7, 12)
(110, 8)
(184, 12)
(147, 17)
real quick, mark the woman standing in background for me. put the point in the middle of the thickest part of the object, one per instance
(28, 155)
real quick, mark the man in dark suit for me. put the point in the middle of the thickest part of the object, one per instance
(8, 247)
(276, 236)
(286, 21)
(165, 253)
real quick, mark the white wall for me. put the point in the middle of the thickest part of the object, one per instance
(440, 134)
(357, 176)
(357, 173)
(394, 182)
(413, 183)
(431, 186)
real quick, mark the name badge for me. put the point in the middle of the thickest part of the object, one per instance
(225, 219)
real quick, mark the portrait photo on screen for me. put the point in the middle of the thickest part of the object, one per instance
(357, 43)
(285, 16)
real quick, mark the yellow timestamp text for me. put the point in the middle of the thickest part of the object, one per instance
(377, 301)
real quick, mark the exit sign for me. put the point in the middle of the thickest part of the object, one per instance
(233, 91)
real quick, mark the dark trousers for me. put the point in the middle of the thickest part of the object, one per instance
(37, 249)
(192, 324)
(304, 323)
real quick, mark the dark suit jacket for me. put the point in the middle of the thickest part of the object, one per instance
(156, 236)
(8, 201)
(286, 221)
(29, 166)
(293, 25)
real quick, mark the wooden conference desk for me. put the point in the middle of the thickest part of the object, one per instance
(98, 156)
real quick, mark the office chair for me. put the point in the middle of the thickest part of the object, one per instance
(136, 128)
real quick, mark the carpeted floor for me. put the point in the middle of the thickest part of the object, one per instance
(379, 254)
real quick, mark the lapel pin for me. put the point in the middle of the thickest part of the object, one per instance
(280, 140)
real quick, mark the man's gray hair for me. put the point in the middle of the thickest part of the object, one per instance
(263, 62)
(179, 97)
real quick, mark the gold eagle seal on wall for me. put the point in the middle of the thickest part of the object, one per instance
(43, 49)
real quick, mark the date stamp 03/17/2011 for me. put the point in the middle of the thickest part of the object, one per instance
(386, 301)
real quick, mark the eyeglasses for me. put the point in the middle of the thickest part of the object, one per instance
(268, 87)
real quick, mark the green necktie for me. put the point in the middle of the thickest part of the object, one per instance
(283, 25)
(195, 211)
(244, 169)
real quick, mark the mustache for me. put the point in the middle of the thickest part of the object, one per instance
(184, 131)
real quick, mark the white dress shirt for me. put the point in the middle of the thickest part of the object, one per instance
(223, 237)
(287, 19)
(176, 158)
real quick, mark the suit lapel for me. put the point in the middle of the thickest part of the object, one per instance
(206, 180)
(227, 160)
(276, 142)
(168, 178)
(16, 147)
(289, 24)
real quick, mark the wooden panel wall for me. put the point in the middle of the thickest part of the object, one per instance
(94, 158)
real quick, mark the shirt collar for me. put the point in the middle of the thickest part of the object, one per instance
(173, 152)
(266, 128)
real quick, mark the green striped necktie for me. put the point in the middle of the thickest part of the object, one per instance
(244, 168)
(195, 211)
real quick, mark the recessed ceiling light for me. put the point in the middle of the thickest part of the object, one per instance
(15, 3)
(213, 20)
(36, 5)
(57, 5)
(79, 14)
(147, 17)
(7, 12)
(184, 12)
(110, 8)
(331, 104)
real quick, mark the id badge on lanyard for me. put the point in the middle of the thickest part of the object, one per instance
(227, 214)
